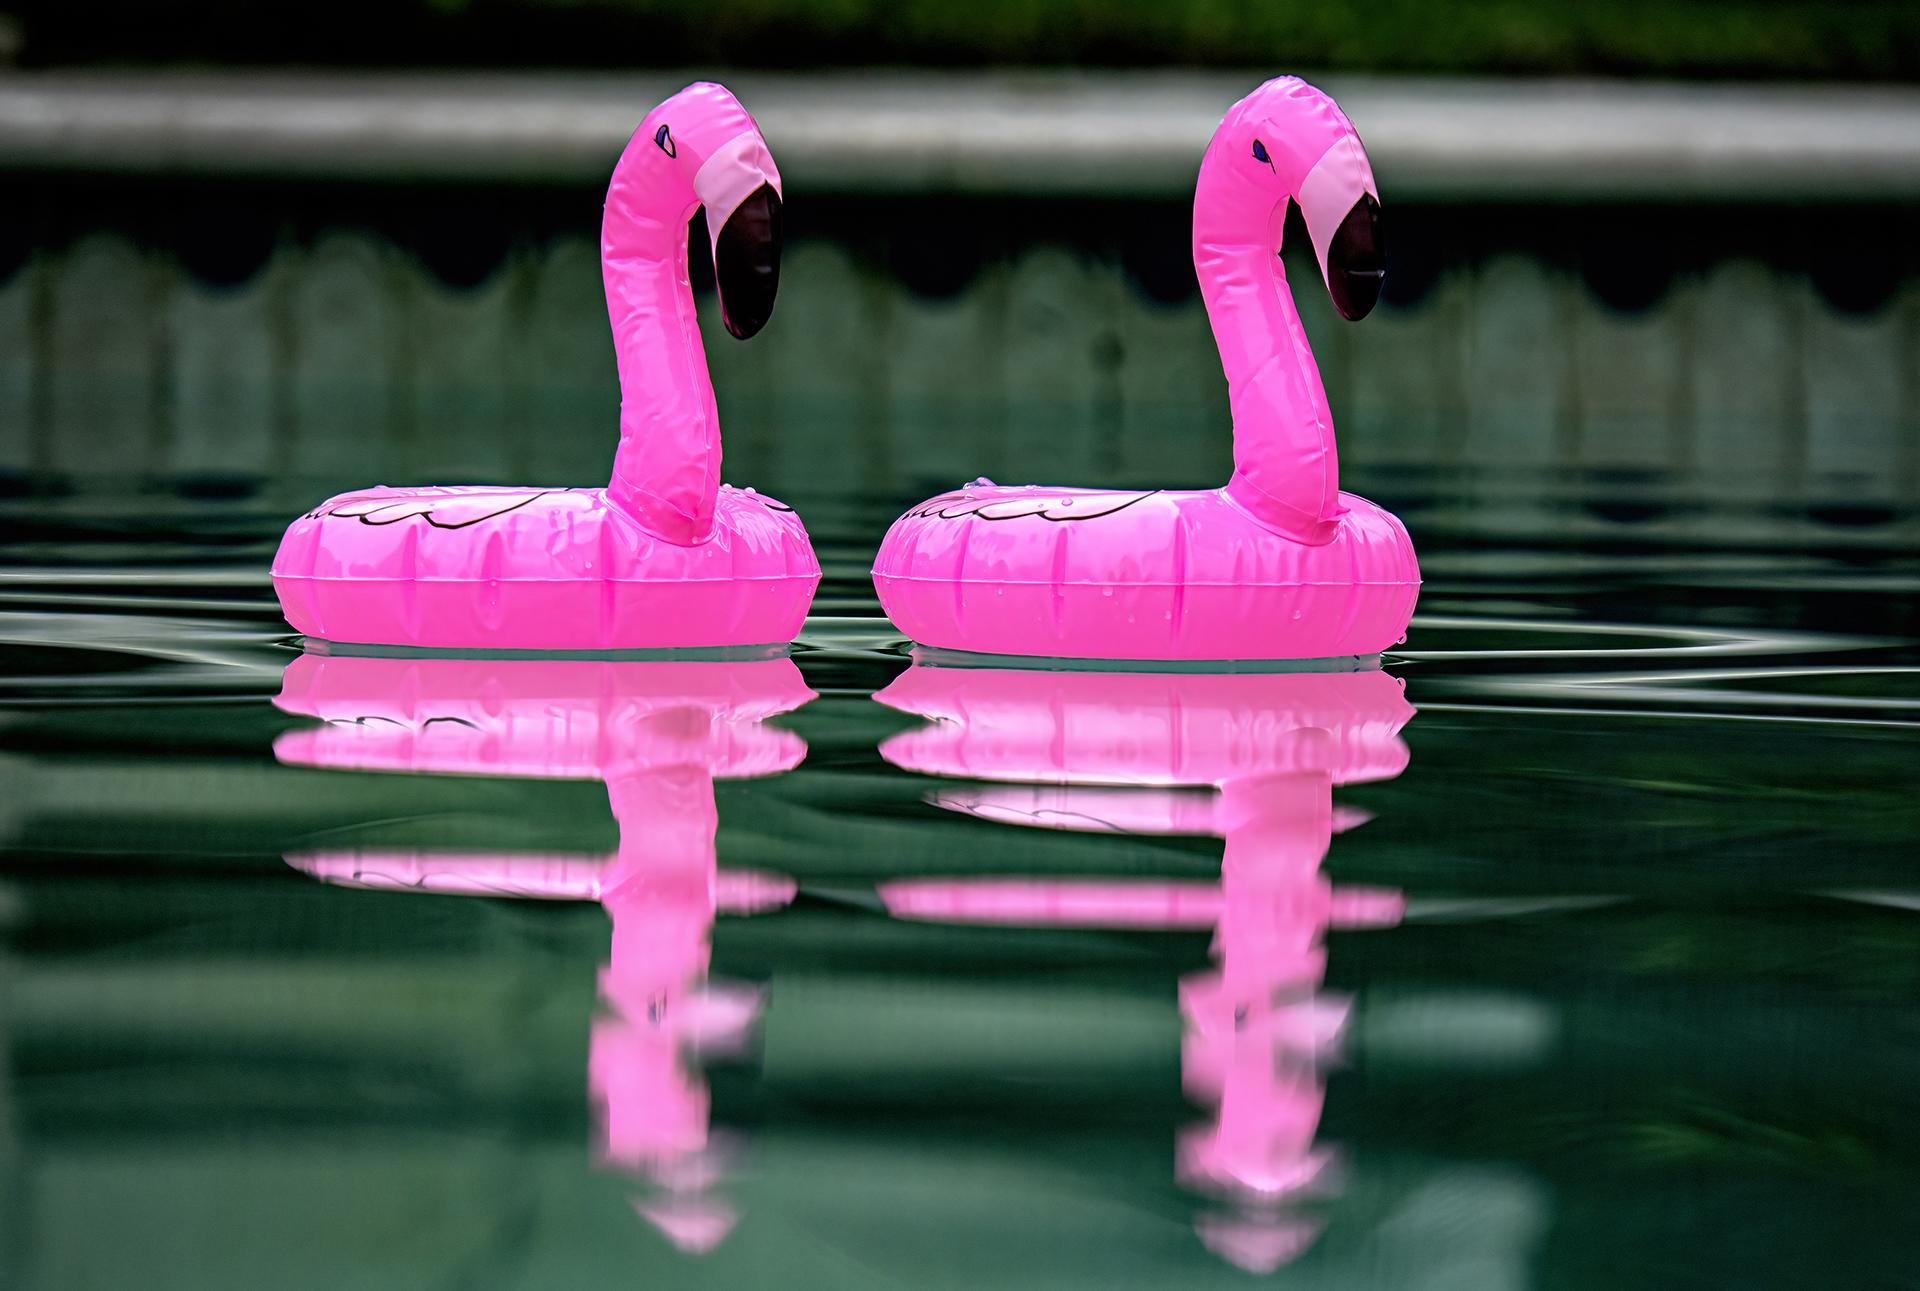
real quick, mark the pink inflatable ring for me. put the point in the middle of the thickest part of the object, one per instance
(665, 556)
(1279, 564)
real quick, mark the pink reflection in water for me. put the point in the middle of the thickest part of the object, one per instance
(1107, 752)
(658, 735)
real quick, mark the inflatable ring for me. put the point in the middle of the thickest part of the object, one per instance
(1279, 564)
(665, 556)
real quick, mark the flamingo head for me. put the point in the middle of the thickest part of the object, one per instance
(1290, 140)
(713, 147)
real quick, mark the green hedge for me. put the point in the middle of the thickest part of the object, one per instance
(1824, 39)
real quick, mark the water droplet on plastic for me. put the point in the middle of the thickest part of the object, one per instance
(1296, 616)
(1106, 591)
(1066, 502)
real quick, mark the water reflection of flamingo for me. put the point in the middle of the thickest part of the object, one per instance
(658, 734)
(1105, 751)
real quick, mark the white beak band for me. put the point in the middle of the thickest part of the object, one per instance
(734, 172)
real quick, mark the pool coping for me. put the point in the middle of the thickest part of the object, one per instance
(1123, 135)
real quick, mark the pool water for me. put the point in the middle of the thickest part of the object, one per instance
(1588, 959)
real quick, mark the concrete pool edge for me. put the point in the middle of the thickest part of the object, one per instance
(1037, 133)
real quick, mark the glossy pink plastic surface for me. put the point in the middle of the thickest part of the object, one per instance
(665, 556)
(658, 734)
(1067, 728)
(1104, 751)
(1279, 564)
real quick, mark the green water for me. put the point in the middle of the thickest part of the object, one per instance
(1647, 1019)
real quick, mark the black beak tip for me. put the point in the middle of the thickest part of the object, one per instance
(1355, 291)
(1357, 261)
(746, 263)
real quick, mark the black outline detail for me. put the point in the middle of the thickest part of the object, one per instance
(426, 513)
(929, 511)
(394, 721)
(663, 140)
(382, 881)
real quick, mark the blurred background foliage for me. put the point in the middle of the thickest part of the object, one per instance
(1754, 39)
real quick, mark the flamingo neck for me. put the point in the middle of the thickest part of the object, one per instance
(659, 890)
(1286, 468)
(666, 472)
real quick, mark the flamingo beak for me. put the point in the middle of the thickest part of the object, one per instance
(1356, 260)
(1341, 206)
(740, 188)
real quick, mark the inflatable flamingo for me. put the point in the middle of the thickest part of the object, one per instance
(665, 556)
(658, 734)
(1097, 751)
(1279, 564)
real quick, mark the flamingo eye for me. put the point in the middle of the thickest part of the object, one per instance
(1260, 154)
(663, 140)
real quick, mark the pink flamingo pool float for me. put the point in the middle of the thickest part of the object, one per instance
(665, 556)
(1114, 752)
(658, 734)
(1279, 564)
